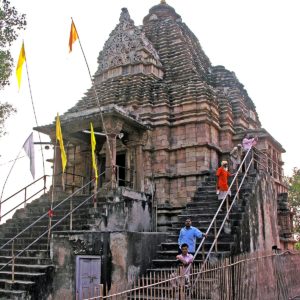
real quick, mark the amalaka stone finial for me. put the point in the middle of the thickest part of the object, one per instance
(163, 2)
(124, 15)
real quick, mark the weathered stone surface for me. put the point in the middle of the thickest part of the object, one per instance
(159, 75)
(124, 255)
(258, 230)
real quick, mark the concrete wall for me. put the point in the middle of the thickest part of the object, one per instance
(125, 255)
(259, 229)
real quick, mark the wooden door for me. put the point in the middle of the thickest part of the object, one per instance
(88, 273)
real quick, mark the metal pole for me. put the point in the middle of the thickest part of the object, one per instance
(71, 215)
(45, 179)
(25, 195)
(215, 234)
(52, 196)
(13, 262)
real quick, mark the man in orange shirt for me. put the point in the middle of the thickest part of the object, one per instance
(222, 181)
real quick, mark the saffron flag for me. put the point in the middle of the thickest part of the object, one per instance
(22, 58)
(59, 137)
(73, 36)
(29, 149)
(93, 146)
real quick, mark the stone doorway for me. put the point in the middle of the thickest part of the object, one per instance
(121, 165)
(88, 276)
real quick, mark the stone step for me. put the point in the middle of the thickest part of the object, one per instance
(59, 213)
(161, 263)
(16, 284)
(204, 224)
(28, 276)
(204, 204)
(27, 260)
(203, 229)
(222, 238)
(171, 254)
(37, 246)
(198, 217)
(26, 221)
(28, 268)
(7, 294)
(36, 231)
(174, 246)
(21, 240)
(26, 253)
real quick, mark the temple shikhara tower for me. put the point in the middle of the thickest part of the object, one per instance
(177, 114)
(164, 118)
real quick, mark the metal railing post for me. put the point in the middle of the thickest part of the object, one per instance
(237, 188)
(25, 196)
(227, 203)
(13, 262)
(45, 181)
(71, 214)
(215, 234)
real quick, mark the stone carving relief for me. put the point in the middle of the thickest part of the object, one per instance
(127, 44)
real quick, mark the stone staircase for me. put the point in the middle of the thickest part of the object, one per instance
(33, 268)
(201, 210)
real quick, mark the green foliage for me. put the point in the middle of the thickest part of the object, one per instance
(297, 246)
(10, 24)
(294, 196)
(6, 110)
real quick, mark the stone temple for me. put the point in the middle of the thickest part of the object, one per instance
(178, 114)
(164, 118)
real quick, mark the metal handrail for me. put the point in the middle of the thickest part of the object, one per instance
(2, 216)
(219, 208)
(50, 228)
(263, 162)
(225, 218)
(44, 215)
(267, 156)
(249, 152)
(266, 159)
(44, 177)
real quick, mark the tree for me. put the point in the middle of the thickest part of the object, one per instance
(10, 24)
(294, 196)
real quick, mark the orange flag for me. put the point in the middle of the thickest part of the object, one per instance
(73, 36)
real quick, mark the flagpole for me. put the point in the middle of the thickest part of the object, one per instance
(52, 195)
(96, 94)
(7, 178)
(34, 112)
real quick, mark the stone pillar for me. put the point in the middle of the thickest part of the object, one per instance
(137, 141)
(57, 167)
(110, 162)
(113, 128)
(139, 168)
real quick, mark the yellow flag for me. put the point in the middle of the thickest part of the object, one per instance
(73, 36)
(22, 58)
(93, 146)
(59, 137)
